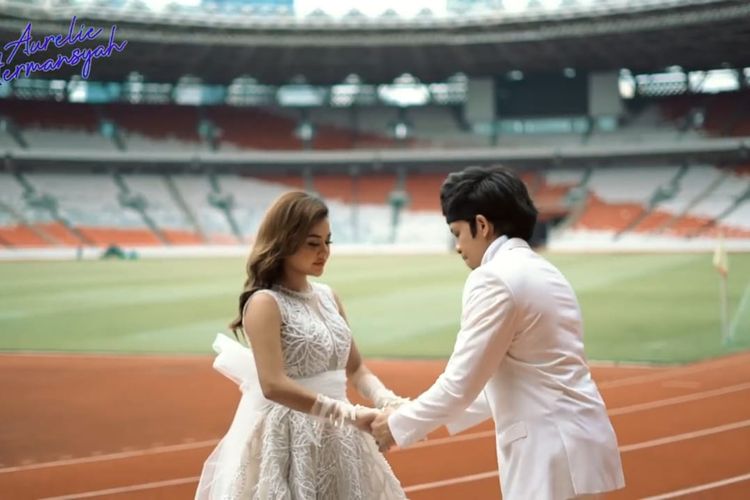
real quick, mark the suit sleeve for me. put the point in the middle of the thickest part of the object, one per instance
(476, 413)
(487, 329)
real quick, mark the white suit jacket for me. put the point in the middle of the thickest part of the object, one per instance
(519, 359)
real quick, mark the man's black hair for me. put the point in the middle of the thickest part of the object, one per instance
(494, 192)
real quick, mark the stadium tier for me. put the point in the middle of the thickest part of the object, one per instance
(43, 209)
(214, 108)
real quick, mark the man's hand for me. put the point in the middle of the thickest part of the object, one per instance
(364, 418)
(381, 432)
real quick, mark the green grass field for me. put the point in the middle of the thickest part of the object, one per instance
(653, 308)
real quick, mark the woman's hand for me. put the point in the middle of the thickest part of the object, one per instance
(364, 417)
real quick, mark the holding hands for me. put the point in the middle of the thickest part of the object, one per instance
(380, 430)
(375, 421)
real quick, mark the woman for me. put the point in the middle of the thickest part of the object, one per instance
(295, 436)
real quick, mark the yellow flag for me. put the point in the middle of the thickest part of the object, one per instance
(721, 260)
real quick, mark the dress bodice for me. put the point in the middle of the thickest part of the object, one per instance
(314, 336)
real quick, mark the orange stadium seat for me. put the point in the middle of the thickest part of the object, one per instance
(157, 121)
(109, 236)
(52, 114)
(652, 221)
(608, 216)
(424, 191)
(688, 225)
(375, 189)
(61, 233)
(177, 237)
(551, 197)
(292, 181)
(335, 187)
(254, 128)
(222, 239)
(21, 236)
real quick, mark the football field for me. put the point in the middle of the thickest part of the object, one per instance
(641, 307)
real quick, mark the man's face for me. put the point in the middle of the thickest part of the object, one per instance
(470, 248)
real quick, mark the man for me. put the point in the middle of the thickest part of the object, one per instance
(518, 356)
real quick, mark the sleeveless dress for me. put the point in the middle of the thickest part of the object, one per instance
(274, 452)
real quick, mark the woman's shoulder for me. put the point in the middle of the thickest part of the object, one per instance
(263, 300)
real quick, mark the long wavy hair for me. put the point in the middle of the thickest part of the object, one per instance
(282, 232)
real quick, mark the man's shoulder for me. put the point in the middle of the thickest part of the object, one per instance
(510, 269)
(485, 275)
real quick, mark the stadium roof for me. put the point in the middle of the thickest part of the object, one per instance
(693, 34)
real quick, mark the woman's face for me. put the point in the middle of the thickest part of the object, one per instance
(310, 259)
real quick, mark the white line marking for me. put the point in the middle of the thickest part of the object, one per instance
(449, 482)
(624, 410)
(126, 356)
(702, 487)
(449, 439)
(680, 384)
(685, 436)
(446, 482)
(126, 489)
(675, 373)
(623, 449)
(660, 403)
(113, 456)
(634, 365)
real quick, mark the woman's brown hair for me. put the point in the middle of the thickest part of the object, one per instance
(282, 232)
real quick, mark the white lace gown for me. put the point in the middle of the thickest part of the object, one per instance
(274, 452)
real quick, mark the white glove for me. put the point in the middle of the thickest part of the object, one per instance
(334, 411)
(373, 389)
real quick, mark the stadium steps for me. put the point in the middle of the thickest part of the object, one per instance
(552, 198)
(656, 218)
(20, 236)
(107, 128)
(49, 203)
(636, 220)
(180, 201)
(76, 232)
(577, 209)
(59, 232)
(717, 220)
(4, 242)
(111, 129)
(27, 232)
(577, 199)
(224, 202)
(660, 194)
(14, 131)
(139, 203)
(677, 218)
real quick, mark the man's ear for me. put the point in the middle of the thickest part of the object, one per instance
(484, 227)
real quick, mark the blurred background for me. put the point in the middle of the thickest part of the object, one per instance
(129, 201)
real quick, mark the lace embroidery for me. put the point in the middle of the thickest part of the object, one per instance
(294, 456)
